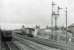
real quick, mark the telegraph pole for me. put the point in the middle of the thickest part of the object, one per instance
(66, 28)
(53, 4)
(66, 25)
(52, 13)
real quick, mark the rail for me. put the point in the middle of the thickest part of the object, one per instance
(46, 42)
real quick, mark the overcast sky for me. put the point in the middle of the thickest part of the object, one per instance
(32, 12)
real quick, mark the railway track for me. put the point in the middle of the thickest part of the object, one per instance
(32, 45)
(45, 42)
(9, 46)
(25, 46)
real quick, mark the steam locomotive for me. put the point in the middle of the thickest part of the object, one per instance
(6, 35)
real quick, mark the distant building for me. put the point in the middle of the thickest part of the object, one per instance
(71, 29)
(29, 30)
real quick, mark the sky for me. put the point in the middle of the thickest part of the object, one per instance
(14, 13)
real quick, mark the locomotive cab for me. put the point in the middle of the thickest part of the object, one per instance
(7, 36)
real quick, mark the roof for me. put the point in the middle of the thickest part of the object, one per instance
(72, 25)
(30, 29)
(71, 30)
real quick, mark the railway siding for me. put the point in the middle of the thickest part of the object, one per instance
(33, 45)
(46, 42)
